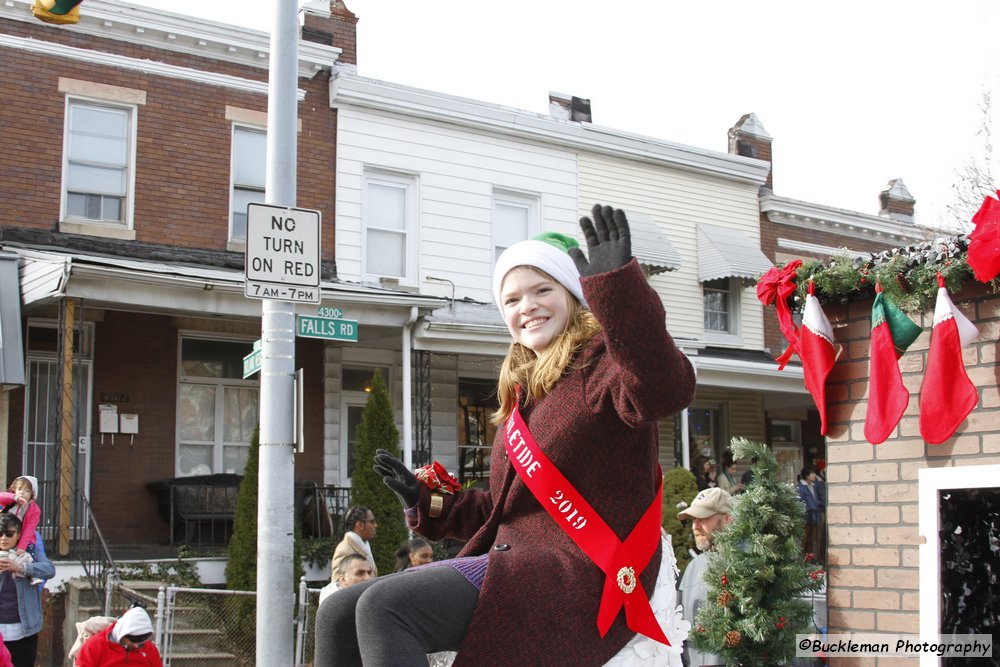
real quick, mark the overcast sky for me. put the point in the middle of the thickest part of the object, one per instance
(854, 93)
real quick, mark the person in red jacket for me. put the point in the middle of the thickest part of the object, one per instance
(125, 642)
(546, 570)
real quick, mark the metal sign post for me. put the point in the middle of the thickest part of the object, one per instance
(275, 495)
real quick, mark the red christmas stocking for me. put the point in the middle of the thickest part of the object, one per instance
(947, 395)
(817, 352)
(892, 333)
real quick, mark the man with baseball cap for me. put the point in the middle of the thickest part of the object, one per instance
(711, 510)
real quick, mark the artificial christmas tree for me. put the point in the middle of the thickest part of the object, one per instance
(757, 576)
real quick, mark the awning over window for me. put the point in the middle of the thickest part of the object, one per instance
(650, 246)
(11, 343)
(728, 253)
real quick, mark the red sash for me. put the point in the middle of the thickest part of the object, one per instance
(622, 562)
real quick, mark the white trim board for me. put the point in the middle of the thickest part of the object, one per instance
(929, 482)
(145, 66)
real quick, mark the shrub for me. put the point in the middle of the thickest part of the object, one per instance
(679, 489)
(377, 430)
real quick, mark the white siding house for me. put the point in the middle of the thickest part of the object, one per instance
(431, 187)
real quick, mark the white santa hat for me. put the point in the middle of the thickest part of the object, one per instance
(548, 252)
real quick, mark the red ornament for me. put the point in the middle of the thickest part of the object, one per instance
(816, 575)
(810, 557)
(725, 580)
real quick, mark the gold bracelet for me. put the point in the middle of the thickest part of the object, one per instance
(437, 504)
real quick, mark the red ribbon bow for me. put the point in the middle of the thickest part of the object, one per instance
(436, 478)
(775, 287)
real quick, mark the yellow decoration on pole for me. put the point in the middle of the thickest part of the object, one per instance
(58, 12)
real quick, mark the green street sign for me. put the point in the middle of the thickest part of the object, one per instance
(251, 362)
(327, 328)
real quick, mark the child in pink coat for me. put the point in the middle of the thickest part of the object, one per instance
(21, 499)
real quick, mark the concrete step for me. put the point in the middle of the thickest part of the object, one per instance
(198, 641)
(204, 660)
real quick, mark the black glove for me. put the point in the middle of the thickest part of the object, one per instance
(400, 481)
(609, 243)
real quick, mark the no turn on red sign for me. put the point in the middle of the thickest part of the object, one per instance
(283, 253)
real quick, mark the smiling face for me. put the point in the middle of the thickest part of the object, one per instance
(535, 307)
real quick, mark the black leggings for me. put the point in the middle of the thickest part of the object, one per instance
(396, 620)
(23, 651)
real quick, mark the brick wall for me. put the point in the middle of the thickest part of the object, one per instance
(134, 355)
(147, 373)
(183, 148)
(872, 513)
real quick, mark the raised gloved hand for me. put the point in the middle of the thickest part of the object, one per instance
(400, 481)
(609, 243)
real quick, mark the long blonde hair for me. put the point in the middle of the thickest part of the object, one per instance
(538, 373)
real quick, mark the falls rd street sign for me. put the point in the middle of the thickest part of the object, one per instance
(251, 362)
(283, 253)
(330, 329)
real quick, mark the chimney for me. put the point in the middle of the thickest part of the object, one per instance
(897, 202)
(567, 107)
(330, 22)
(749, 139)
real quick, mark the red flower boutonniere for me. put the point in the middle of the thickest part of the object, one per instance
(436, 478)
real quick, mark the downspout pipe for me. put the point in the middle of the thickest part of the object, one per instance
(408, 389)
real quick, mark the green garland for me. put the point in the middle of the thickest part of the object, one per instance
(908, 275)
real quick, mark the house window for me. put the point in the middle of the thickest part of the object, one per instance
(249, 164)
(389, 213)
(216, 407)
(515, 218)
(98, 161)
(718, 297)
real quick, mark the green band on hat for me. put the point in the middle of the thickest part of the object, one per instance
(560, 241)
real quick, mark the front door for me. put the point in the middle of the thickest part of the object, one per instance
(44, 427)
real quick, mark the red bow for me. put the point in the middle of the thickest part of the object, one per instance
(984, 241)
(775, 287)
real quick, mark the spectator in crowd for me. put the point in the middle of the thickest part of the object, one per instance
(710, 511)
(357, 539)
(417, 551)
(727, 480)
(20, 601)
(127, 641)
(810, 496)
(353, 569)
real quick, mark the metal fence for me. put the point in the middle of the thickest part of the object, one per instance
(206, 627)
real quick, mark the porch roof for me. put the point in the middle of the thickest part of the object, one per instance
(142, 285)
(746, 369)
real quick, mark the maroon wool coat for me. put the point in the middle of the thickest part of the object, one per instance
(538, 603)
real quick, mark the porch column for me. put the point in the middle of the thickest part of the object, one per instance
(66, 430)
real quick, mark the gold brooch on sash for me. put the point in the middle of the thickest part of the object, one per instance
(626, 580)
